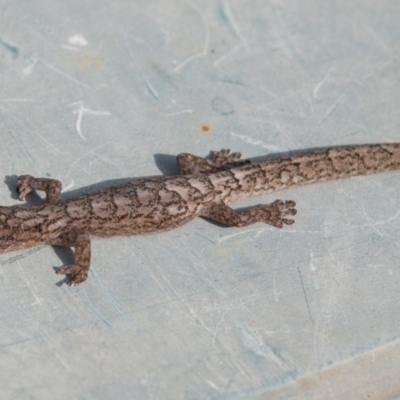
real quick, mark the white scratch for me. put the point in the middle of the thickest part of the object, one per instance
(313, 267)
(378, 39)
(188, 111)
(68, 47)
(29, 68)
(53, 343)
(331, 109)
(65, 75)
(203, 53)
(228, 55)
(148, 84)
(84, 111)
(255, 142)
(38, 300)
(85, 156)
(78, 40)
(381, 222)
(275, 289)
(220, 323)
(226, 9)
(288, 96)
(17, 100)
(214, 386)
(70, 185)
(258, 231)
(322, 82)
(37, 133)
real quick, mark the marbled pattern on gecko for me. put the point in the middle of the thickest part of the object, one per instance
(205, 187)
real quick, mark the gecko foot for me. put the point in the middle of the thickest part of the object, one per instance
(76, 273)
(226, 159)
(24, 186)
(275, 213)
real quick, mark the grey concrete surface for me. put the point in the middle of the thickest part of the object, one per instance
(95, 91)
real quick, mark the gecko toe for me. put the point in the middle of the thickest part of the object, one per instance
(76, 273)
(24, 186)
(287, 221)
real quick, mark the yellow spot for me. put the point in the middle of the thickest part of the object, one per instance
(90, 61)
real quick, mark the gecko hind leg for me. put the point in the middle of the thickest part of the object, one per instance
(27, 184)
(219, 161)
(78, 271)
(273, 214)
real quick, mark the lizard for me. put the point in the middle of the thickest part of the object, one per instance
(204, 187)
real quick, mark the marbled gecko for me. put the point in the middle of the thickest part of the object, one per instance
(205, 187)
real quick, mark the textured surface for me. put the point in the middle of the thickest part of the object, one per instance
(95, 91)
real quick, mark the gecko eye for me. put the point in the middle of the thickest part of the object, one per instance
(39, 227)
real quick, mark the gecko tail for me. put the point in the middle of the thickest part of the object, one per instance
(314, 166)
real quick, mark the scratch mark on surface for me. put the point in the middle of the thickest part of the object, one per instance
(179, 112)
(220, 323)
(151, 88)
(254, 142)
(109, 296)
(322, 82)
(78, 40)
(205, 238)
(96, 310)
(378, 39)
(379, 69)
(330, 111)
(259, 120)
(94, 152)
(13, 50)
(84, 111)
(52, 342)
(37, 133)
(30, 65)
(68, 47)
(38, 300)
(275, 289)
(18, 257)
(148, 84)
(204, 52)
(227, 13)
(285, 97)
(69, 186)
(214, 386)
(227, 55)
(258, 231)
(305, 296)
(17, 100)
(65, 75)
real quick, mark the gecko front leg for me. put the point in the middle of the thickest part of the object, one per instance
(78, 271)
(219, 161)
(272, 214)
(27, 184)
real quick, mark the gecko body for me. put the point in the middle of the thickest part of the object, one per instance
(205, 187)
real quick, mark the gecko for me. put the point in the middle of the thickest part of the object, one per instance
(204, 187)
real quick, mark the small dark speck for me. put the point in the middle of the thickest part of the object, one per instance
(48, 174)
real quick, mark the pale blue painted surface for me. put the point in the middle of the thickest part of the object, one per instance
(94, 91)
